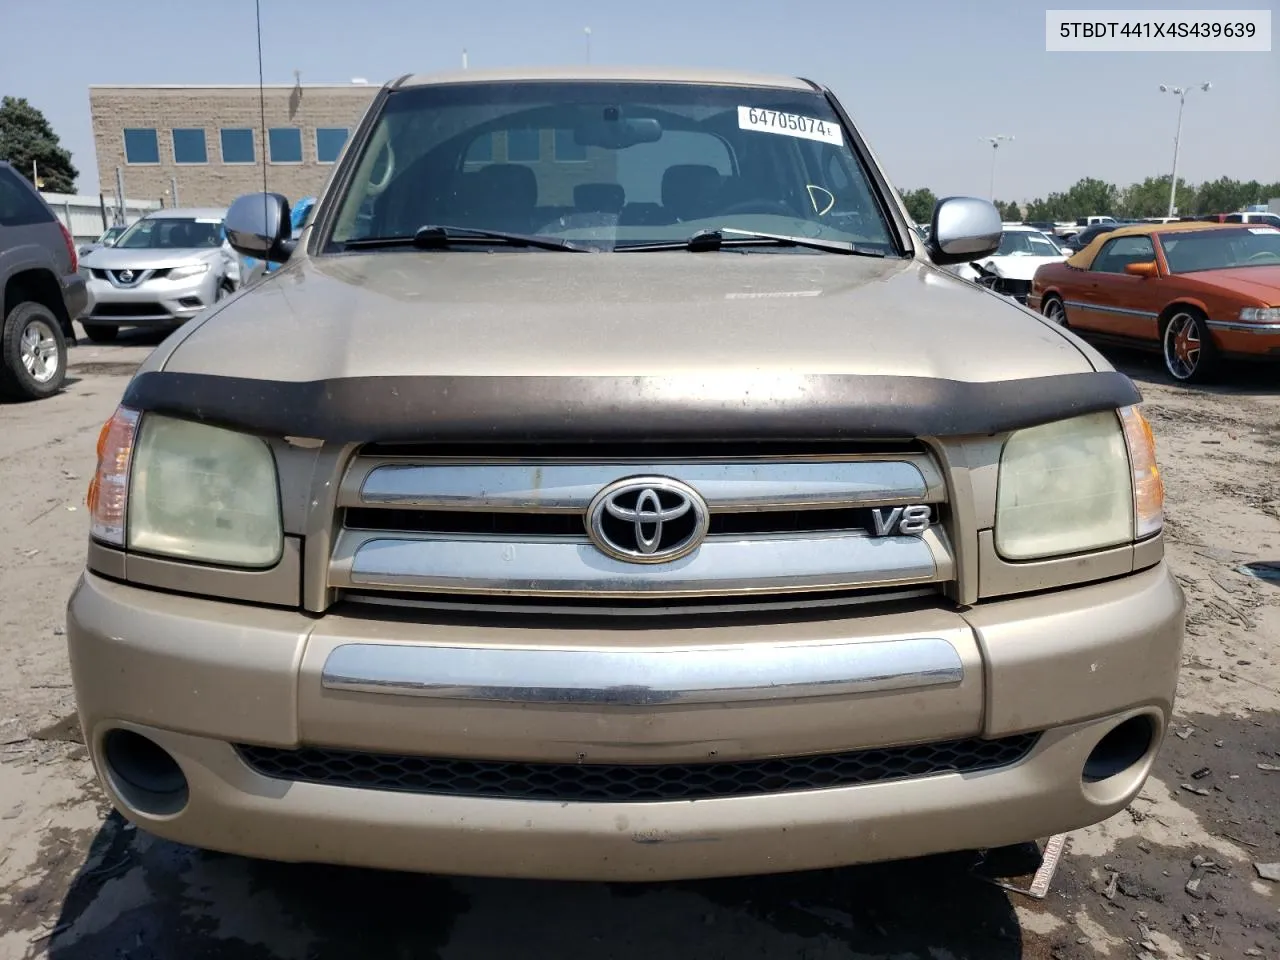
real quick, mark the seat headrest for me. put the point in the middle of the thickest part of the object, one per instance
(599, 197)
(689, 189)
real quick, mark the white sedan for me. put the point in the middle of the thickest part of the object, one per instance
(1010, 269)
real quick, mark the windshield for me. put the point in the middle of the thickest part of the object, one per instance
(609, 164)
(1221, 249)
(171, 233)
(1026, 243)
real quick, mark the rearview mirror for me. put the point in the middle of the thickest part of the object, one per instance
(963, 229)
(257, 225)
(1148, 269)
(614, 132)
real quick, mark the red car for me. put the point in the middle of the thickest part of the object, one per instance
(1196, 291)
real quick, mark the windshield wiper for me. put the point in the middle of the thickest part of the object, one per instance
(434, 237)
(706, 240)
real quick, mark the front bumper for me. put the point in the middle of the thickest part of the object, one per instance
(157, 302)
(1249, 340)
(199, 676)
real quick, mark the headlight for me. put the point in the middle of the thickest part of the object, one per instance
(186, 490)
(193, 270)
(1260, 314)
(1082, 484)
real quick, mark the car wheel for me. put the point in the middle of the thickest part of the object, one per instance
(225, 289)
(1053, 309)
(101, 332)
(1189, 353)
(33, 353)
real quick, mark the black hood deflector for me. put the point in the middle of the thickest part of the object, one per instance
(641, 409)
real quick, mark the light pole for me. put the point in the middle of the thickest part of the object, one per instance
(995, 142)
(586, 32)
(1181, 94)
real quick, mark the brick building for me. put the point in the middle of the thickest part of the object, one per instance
(209, 138)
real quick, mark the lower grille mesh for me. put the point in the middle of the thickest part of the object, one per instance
(631, 783)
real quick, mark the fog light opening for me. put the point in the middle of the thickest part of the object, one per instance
(144, 774)
(1125, 745)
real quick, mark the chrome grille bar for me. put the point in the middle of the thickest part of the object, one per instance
(571, 566)
(561, 486)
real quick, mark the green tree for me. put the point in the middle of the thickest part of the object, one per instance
(920, 204)
(26, 138)
(1225, 195)
(1011, 212)
(1150, 198)
(1092, 197)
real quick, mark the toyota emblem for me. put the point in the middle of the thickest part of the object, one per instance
(647, 519)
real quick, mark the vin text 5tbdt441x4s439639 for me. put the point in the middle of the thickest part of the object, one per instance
(610, 484)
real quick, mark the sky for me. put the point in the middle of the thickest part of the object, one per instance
(924, 81)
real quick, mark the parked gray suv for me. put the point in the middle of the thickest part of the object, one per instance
(42, 292)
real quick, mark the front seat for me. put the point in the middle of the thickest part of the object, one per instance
(690, 191)
(503, 197)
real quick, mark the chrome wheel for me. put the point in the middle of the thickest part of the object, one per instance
(38, 349)
(1056, 312)
(1182, 346)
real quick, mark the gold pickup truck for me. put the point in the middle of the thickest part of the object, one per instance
(611, 484)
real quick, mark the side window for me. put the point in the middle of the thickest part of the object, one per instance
(1233, 218)
(19, 206)
(480, 150)
(1121, 251)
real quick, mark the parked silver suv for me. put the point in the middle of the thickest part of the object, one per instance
(161, 272)
(42, 293)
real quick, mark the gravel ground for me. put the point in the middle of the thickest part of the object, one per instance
(1173, 876)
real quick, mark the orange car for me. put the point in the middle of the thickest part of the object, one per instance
(1196, 291)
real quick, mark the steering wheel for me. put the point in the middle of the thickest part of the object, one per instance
(1264, 255)
(758, 206)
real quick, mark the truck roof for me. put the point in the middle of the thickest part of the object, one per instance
(606, 73)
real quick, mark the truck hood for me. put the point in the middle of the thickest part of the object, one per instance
(657, 314)
(115, 258)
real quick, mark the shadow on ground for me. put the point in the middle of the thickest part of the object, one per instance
(146, 899)
(1233, 376)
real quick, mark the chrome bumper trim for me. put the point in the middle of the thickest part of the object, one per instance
(639, 677)
(574, 567)
(568, 486)
(1244, 327)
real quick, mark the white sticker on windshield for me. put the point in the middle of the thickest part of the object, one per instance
(789, 125)
(1263, 230)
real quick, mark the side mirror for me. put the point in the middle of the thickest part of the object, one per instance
(963, 229)
(1148, 269)
(257, 225)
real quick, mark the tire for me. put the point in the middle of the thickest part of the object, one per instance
(33, 353)
(1055, 310)
(225, 289)
(101, 332)
(1187, 347)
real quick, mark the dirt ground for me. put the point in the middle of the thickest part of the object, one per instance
(1173, 876)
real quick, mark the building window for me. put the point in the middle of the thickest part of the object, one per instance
(141, 146)
(480, 150)
(524, 146)
(329, 142)
(237, 145)
(566, 149)
(284, 144)
(189, 145)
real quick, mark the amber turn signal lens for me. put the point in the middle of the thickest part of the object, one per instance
(109, 488)
(1148, 487)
